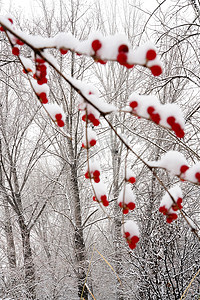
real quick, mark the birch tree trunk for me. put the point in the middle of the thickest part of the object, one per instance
(80, 251)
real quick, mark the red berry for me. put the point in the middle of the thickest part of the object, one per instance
(19, 42)
(131, 205)
(120, 204)
(63, 51)
(84, 118)
(197, 175)
(92, 143)
(96, 179)
(1, 28)
(156, 70)
(43, 98)
(96, 173)
(122, 58)
(125, 211)
(105, 203)
(176, 127)
(155, 118)
(178, 130)
(96, 45)
(126, 234)
(58, 117)
(11, 20)
(103, 198)
(135, 239)
(87, 175)
(42, 68)
(123, 48)
(169, 220)
(179, 201)
(180, 134)
(183, 168)
(132, 246)
(131, 180)
(174, 207)
(128, 66)
(60, 123)
(42, 81)
(15, 51)
(150, 110)
(163, 210)
(94, 198)
(102, 62)
(171, 217)
(171, 120)
(151, 54)
(96, 122)
(91, 117)
(40, 60)
(133, 104)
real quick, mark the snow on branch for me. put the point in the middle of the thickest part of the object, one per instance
(101, 49)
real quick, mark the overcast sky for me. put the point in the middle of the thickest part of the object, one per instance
(27, 5)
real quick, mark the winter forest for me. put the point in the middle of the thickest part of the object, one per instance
(100, 150)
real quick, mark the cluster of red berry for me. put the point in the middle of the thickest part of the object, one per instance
(93, 175)
(126, 207)
(15, 41)
(170, 212)
(103, 200)
(131, 240)
(91, 118)
(59, 120)
(96, 45)
(91, 143)
(122, 56)
(40, 76)
(156, 118)
(183, 170)
(126, 197)
(41, 71)
(175, 126)
(43, 98)
(63, 51)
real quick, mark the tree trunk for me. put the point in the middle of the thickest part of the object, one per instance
(29, 267)
(9, 237)
(80, 251)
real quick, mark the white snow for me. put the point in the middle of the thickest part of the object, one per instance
(126, 195)
(27, 63)
(91, 135)
(191, 172)
(131, 227)
(166, 201)
(165, 111)
(129, 173)
(54, 109)
(171, 161)
(43, 88)
(100, 189)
